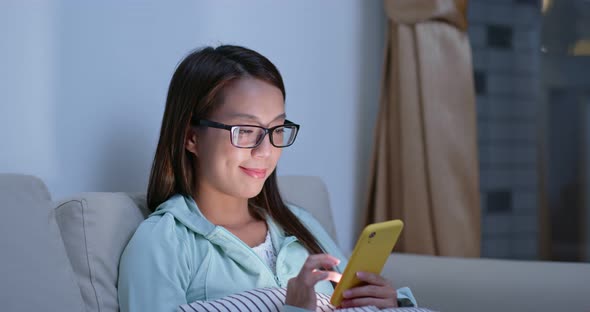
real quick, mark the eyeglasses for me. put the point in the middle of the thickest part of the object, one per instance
(248, 136)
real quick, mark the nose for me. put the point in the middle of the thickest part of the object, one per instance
(264, 149)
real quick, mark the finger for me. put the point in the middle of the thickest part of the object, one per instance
(368, 301)
(323, 256)
(313, 278)
(314, 262)
(323, 260)
(336, 277)
(333, 276)
(372, 278)
(330, 267)
(370, 291)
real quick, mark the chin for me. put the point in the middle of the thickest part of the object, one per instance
(250, 190)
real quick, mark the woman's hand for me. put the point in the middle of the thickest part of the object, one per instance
(377, 292)
(300, 289)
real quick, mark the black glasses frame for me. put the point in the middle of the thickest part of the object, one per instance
(218, 125)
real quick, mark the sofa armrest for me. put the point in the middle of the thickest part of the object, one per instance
(468, 284)
(35, 274)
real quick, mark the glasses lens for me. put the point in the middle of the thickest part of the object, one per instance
(284, 135)
(244, 136)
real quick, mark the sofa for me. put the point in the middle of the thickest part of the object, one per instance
(62, 255)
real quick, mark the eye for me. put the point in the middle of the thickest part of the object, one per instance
(245, 131)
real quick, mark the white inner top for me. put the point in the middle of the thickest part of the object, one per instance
(266, 252)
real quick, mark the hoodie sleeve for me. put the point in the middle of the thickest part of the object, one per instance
(154, 271)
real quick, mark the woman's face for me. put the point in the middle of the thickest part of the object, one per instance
(240, 172)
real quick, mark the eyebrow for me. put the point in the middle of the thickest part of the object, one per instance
(254, 118)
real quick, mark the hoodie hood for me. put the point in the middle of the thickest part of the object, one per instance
(185, 210)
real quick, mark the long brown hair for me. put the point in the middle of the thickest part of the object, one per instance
(194, 93)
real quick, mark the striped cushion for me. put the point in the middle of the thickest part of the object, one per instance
(271, 299)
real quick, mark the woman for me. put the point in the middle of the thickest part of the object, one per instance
(219, 225)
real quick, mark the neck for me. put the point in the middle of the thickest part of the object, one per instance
(222, 209)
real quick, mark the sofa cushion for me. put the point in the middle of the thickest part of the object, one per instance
(35, 274)
(96, 228)
(487, 285)
(310, 193)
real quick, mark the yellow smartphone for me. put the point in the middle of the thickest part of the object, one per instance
(369, 255)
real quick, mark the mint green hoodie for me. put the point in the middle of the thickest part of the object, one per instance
(177, 256)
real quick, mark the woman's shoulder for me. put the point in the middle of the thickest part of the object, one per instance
(159, 235)
(165, 230)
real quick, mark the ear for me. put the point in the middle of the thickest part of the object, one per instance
(190, 142)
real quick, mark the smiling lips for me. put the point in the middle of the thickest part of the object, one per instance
(255, 173)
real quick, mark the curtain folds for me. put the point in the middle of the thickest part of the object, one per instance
(425, 165)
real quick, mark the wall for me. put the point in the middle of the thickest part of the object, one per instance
(84, 86)
(28, 88)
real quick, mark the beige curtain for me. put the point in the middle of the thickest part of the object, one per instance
(425, 168)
